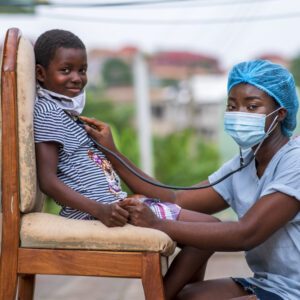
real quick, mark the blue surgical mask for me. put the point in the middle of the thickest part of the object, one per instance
(247, 129)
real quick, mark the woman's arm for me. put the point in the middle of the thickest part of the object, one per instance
(50, 184)
(203, 200)
(264, 218)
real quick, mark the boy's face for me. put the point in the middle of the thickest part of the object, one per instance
(66, 73)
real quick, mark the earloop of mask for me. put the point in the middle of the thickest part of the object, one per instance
(271, 128)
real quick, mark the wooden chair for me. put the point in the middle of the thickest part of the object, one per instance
(34, 242)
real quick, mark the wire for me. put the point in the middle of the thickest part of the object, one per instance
(112, 4)
(177, 22)
(131, 3)
(165, 186)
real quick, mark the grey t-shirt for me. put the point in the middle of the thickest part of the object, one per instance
(81, 166)
(276, 262)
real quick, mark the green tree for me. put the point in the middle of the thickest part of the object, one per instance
(295, 69)
(181, 158)
(184, 159)
(101, 108)
(117, 73)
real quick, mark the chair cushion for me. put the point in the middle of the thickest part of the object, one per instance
(41, 230)
(30, 196)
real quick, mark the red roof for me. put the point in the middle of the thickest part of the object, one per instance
(180, 58)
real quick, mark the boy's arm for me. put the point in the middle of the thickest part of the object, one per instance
(201, 200)
(50, 184)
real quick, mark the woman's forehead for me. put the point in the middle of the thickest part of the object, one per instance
(246, 90)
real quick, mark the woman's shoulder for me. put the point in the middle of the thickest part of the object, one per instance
(289, 155)
(293, 145)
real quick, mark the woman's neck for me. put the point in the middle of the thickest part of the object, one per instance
(269, 148)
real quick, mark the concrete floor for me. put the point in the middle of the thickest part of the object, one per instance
(94, 288)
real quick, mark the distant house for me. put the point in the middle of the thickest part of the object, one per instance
(277, 59)
(198, 104)
(98, 57)
(180, 65)
(193, 100)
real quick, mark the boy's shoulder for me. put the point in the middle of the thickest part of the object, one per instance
(44, 106)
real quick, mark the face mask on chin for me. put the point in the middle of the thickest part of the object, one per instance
(247, 129)
(73, 106)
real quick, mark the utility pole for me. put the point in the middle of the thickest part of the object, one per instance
(143, 112)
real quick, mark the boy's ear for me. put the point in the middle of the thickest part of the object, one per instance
(40, 73)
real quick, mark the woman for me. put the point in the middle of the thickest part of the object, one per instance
(261, 116)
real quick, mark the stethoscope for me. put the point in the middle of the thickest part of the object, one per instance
(242, 164)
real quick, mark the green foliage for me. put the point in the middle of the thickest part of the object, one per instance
(183, 159)
(51, 207)
(100, 108)
(295, 69)
(169, 82)
(180, 158)
(117, 73)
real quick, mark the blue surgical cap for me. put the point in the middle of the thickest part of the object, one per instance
(275, 81)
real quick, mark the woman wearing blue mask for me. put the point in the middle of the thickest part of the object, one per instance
(261, 116)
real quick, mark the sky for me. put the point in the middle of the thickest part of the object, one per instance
(230, 30)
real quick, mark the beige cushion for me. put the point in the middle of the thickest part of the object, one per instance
(41, 230)
(30, 197)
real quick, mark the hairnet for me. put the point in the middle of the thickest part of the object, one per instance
(275, 81)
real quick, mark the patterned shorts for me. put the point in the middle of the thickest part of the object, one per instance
(163, 210)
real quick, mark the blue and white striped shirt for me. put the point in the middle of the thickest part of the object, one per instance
(81, 166)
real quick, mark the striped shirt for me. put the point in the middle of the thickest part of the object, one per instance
(81, 166)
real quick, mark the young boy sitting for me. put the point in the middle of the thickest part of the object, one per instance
(71, 169)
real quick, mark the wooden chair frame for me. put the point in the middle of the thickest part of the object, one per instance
(19, 265)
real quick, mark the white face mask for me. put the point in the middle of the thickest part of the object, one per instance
(74, 106)
(247, 129)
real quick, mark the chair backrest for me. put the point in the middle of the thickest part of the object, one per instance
(19, 190)
(30, 195)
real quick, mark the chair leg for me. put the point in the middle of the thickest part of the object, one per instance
(8, 284)
(152, 277)
(26, 287)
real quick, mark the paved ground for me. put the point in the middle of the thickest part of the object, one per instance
(82, 288)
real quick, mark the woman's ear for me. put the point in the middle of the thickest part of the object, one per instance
(40, 73)
(282, 114)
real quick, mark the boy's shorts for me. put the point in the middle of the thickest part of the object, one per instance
(260, 293)
(163, 210)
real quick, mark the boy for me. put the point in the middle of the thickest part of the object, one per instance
(71, 169)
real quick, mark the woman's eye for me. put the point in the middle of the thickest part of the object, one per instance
(230, 107)
(252, 107)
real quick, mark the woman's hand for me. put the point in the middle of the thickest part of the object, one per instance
(112, 215)
(139, 213)
(100, 132)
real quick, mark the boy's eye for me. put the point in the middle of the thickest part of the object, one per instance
(65, 70)
(83, 71)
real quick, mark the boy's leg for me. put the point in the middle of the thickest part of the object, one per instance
(190, 264)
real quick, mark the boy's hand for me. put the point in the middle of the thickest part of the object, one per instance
(112, 215)
(123, 203)
(100, 132)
